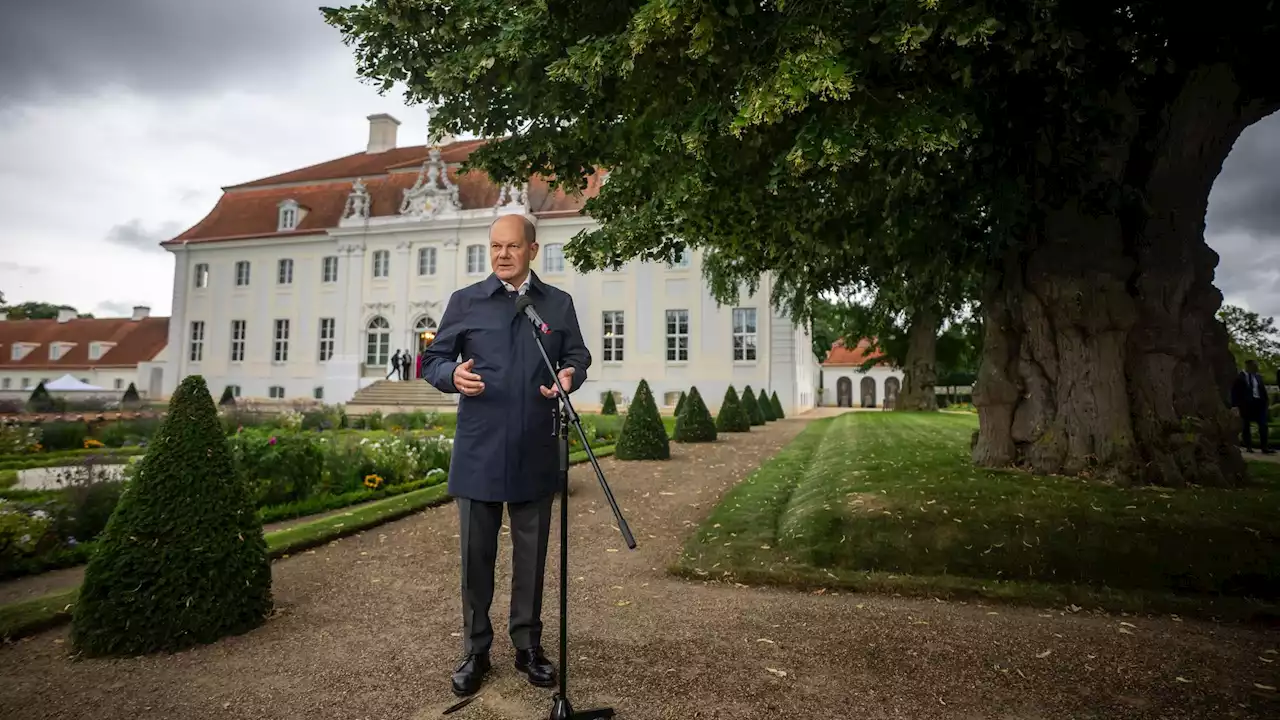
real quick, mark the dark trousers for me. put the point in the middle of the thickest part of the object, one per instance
(1254, 414)
(530, 526)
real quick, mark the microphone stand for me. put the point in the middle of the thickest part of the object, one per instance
(560, 708)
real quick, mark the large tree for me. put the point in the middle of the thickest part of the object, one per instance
(1065, 149)
(1252, 337)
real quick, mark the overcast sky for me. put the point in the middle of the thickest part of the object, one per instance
(120, 121)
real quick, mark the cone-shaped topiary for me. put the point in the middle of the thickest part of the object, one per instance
(733, 417)
(40, 401)
(777, 407)
(131, 398)
(695, 424)
(227, 398)
(752, 406)
(766, 407)
(680, 403)
(610, 407)
(643, 435)
(182, 560)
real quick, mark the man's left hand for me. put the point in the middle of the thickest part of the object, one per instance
(566, 378)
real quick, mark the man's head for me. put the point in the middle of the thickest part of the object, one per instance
(513, 244)
(1251, 366)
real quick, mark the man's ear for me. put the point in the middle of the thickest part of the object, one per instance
(533, 251)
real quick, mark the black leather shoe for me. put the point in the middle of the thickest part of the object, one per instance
(470, 674)
(536, 666)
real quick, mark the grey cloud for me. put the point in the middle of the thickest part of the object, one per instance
(1249, 270)
(13, 267)
(1246, 194)
(137, 237)
(115, 308)
(55, 48)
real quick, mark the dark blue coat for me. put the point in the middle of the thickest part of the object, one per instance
(505, 446)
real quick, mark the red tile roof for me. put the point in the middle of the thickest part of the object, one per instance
(841, 356)
(135, 341)
(249, 210)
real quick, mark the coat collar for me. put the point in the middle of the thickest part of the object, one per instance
(493, 285)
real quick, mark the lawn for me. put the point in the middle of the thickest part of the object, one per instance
(890, 501)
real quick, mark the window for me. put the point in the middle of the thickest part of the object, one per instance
(328, 331)
(288, 215)
(97, 350)
(201, 275)
(677, 336)
(197, 341)
(671, 399)
(427, 261)
(276, 392)
(617, 397)
(318, 393)
(475, 259)
(237, 340)
(5, 383)
(55, 351)
(280, 346)
(19, 351)
(381, 263)
(553, 261)
(119, 384)
(284, 272)
(613, 331)
(26, 383)
(235, 390)
(683, 260)
(329, 269)
(242, 273)
(744, 334)
(378, 342)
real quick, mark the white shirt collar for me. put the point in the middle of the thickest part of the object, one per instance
(524, 286)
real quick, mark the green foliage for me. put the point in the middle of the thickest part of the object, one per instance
(1252, 337)
(610, 407)
(228, 398)
(766, 407)
(695, 424)
(777, 407)
(41, 401)
(39, 311)
(60, 435)
(131, 398)
(752, 406)
(182, 560)
(680, 403)
(733, 417)
(644, 436)
(278, 467)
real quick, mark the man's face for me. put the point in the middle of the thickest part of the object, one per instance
(510, 251)
(1251, 366)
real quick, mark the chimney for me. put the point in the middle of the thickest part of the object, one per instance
(4, 315)
(141, 312)
(65, 315)
(382, 133)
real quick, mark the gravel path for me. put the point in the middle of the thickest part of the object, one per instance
(366, 628)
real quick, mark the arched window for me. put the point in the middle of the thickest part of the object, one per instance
(425, 332)
(378, 342)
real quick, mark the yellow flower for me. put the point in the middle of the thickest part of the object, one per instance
(372, 481)
(92, 443)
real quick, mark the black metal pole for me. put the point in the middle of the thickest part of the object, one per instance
(561, 709)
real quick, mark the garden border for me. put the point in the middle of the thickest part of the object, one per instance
(22, 619)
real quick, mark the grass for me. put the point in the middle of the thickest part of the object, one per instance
(32, 616)
(890, 502)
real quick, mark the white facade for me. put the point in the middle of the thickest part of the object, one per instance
(845, 386)
(250, 313)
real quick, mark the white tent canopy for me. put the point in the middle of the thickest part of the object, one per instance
(66, 383)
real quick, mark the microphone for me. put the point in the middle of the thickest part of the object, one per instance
(525, 305)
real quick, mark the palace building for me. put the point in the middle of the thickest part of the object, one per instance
(306, 283)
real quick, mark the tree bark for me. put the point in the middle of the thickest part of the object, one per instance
(1102, 353)
(921, 373)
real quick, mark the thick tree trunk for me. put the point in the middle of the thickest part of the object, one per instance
(1102, 352)
(921, 373)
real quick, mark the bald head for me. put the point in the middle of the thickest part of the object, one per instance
(513, 244)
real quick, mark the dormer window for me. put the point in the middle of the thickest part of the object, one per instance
(58, 350)
(98, 349)
(20, 350)
(290, 214)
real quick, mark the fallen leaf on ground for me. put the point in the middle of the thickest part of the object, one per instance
(1044, 654)
(783, 673)
(1182, 679)
(1128, 624)
(1265, 660)
(611, 550)
(1126, 631)
(1268, 688)
(623, 603)
(766, 640)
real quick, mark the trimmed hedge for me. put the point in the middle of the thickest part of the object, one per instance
(696, 424)
(777, 407)
(182, 560)
(680, 403)
(610, 406)
(766, 407)
(752, 406)
(643, 437)
(733, 417)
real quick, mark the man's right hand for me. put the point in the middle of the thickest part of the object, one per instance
(467, 382)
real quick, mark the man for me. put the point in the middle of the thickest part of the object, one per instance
(1249, 397)
(395, 366)
(504, 450)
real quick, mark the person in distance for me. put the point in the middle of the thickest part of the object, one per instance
(1249, 397)
(504, 450)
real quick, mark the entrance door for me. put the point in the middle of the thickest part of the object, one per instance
(844, 392)
(424, 330)
(868, 392)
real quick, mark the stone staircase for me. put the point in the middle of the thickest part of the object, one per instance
(388, 397)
